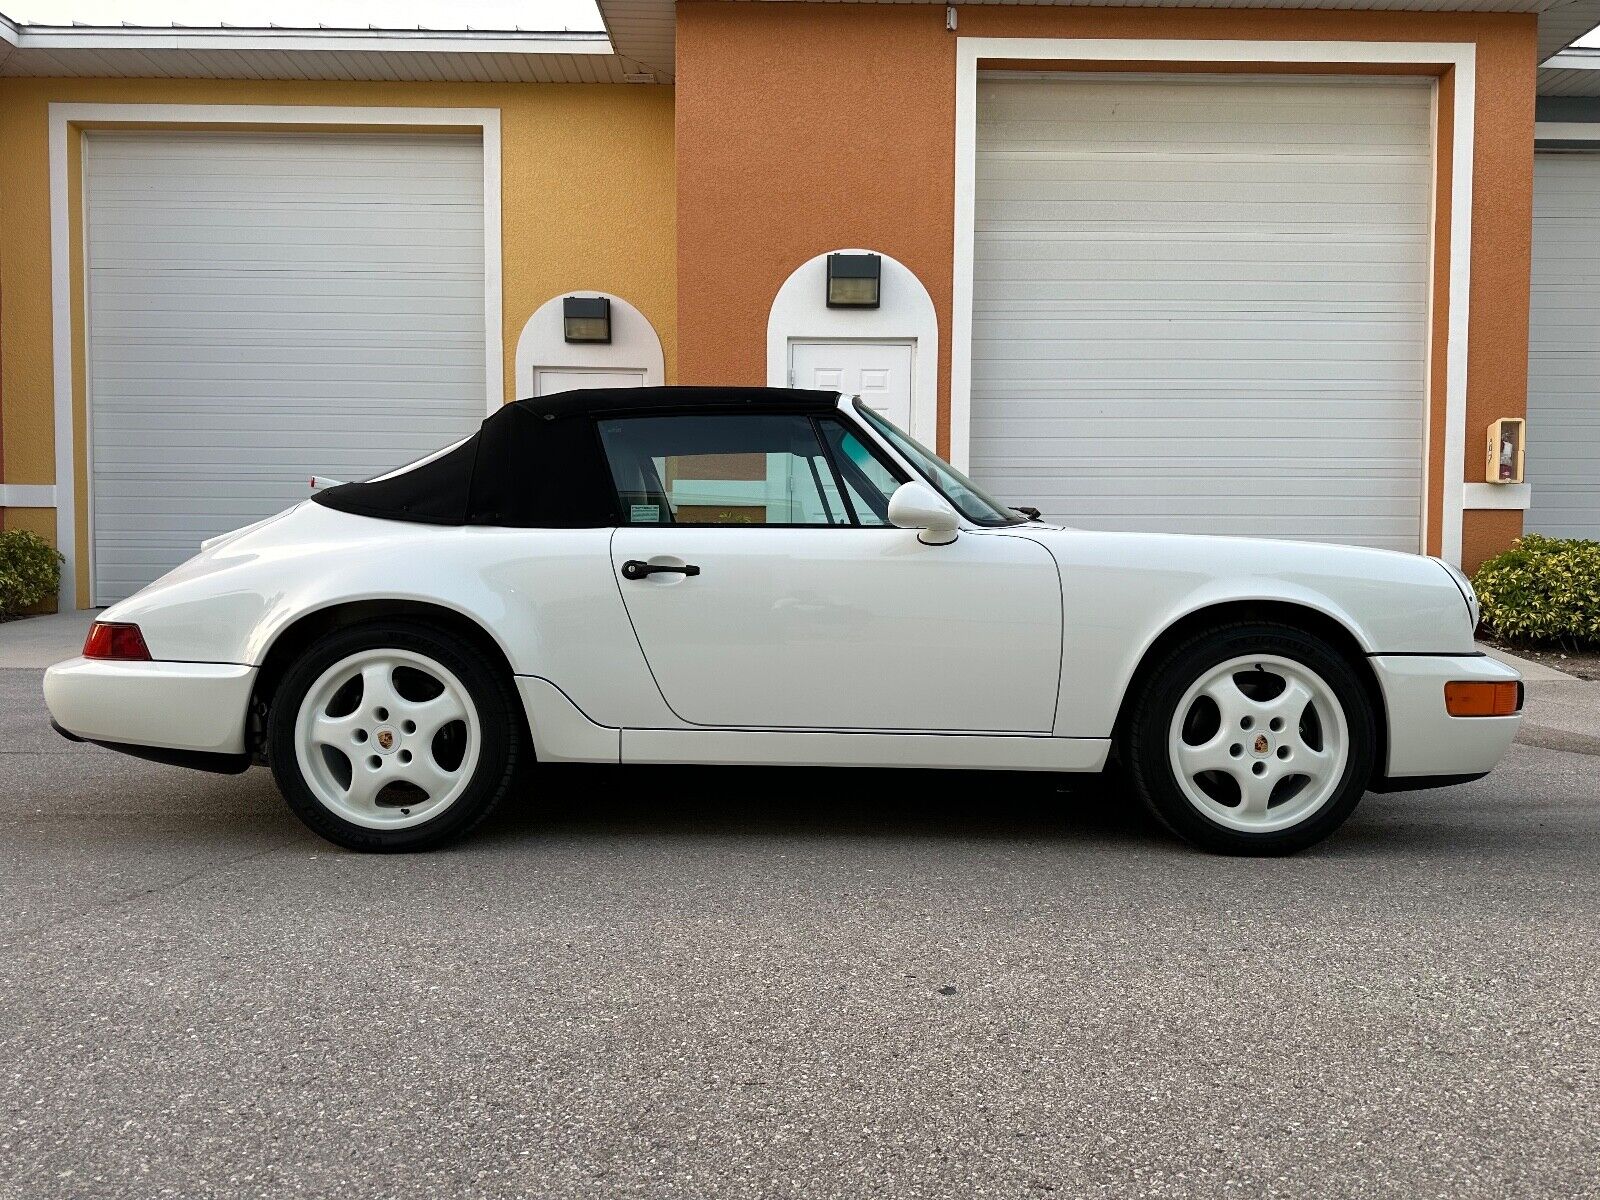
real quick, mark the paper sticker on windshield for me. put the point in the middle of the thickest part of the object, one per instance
(645, 514)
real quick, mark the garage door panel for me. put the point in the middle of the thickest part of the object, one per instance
(1061, 178)
(359, 255)
(1245, 256)
(1224, 349)
(1261, 328)
(195, 219)
(1175, 375)
(1201, 304)
(350, 359)
(267, 307)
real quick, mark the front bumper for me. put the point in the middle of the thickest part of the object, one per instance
(195, 708)
(1425, 740)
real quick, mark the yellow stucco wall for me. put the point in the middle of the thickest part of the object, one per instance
(587, 202)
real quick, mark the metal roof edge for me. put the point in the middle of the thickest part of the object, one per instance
(387, 41)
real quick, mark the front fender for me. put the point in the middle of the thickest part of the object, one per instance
(1121, 592)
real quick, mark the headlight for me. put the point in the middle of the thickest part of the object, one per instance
(1465, 585)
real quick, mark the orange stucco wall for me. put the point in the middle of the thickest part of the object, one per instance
(802, 128)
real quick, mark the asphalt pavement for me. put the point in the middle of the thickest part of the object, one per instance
(689, 983)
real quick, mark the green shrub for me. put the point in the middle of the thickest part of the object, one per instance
(1543, 590)
(30, 572)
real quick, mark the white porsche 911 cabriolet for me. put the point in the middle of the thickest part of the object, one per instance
(702, 575)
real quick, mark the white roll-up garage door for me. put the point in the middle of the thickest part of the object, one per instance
(1200, 303)
(262, 308)
(1563, 459)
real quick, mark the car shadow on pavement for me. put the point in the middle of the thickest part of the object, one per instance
(1473, 822)
(823, 802)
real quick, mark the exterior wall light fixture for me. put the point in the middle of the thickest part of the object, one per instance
(586, 319)
(853, 280)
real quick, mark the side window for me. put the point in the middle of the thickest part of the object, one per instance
(722, 469)
(867, 481)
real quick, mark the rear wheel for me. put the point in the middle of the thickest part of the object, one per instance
(393, 736)
(1253, 739)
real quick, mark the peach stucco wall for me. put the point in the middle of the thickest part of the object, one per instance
(806, 127)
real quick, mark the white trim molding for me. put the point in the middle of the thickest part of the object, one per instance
(971, 52)
(1479, 496)
(1566, 131)
(634, 345)
(905, 314)
(27, 495)
(276, 38)
(177, 117)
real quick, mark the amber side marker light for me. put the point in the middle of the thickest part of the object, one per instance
(123, 642)
(1482, 699)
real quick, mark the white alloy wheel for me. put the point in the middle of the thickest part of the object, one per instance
(1259, 743)
(387, 739)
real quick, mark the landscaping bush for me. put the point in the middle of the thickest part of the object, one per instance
(1543, 590)
(30, 571)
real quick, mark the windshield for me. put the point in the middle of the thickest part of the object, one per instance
(970, 501)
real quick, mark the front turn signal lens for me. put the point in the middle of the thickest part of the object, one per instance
(1482, 699)
(121, 642)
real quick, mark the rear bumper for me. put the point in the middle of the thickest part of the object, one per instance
(192, 708)
(1424, 739)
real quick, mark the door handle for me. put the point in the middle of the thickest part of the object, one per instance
(634, 569)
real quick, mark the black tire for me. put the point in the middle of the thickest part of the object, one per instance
(502, 739)
(1149, 767)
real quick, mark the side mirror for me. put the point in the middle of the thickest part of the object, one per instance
(915, 505)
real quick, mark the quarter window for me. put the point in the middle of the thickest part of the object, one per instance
(719, 469)
(867, 481)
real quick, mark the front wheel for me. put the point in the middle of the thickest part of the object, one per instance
(1254, 739)
(393, 736)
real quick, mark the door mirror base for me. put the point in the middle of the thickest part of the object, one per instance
(915, 505)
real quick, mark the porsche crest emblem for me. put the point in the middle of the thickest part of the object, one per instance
(1261, 746)
(386, 739)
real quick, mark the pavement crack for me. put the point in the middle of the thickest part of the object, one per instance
(1547, 737)
(159, 889)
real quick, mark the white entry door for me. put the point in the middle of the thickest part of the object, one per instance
(547, 381)
(878, 372)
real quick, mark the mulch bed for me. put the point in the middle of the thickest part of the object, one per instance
(1585, 664)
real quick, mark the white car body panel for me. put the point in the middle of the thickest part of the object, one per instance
(561, 730)
(857, 628)
(799, 748)
(198, 707)
(1123, 590)
(546, 596)
(1007, 648)
(1423, 736)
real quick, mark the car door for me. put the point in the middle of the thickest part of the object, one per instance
(767, 589)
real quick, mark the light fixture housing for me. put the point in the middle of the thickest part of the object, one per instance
(586, 320)
(853, 280)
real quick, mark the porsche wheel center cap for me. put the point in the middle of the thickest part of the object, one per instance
(386, 739)
(1262, 746)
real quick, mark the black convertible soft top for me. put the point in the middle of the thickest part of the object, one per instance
(538, 462)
